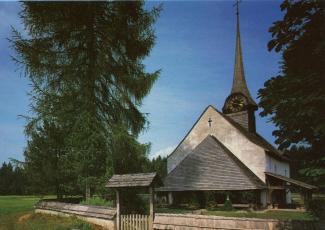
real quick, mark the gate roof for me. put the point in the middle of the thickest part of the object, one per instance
(133, 180)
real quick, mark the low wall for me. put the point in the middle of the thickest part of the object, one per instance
(98, 215)
(191, 222)
(106, 217)
(202, 222)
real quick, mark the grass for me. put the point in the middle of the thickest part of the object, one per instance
(97, 201)
(16, 213)
(16, 204)
(270, 214)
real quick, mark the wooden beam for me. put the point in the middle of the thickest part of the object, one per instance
(277, 187)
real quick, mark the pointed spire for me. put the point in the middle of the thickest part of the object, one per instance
(239, 84)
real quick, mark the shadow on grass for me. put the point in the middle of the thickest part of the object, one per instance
(34, 221)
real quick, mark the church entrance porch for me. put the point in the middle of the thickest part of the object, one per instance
(279, 189)
(210, 200)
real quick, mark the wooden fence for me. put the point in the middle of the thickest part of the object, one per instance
(135, 222)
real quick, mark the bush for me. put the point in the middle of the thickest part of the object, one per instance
(201, 199)
(193, 202)
(97, 201)
(133, 202)
(227, 205)
(317, 208)
(211, 201)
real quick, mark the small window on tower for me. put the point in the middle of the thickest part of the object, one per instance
(275, 168)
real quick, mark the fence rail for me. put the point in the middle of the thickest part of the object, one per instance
(135, 222)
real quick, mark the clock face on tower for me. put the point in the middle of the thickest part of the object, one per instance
(235, 103)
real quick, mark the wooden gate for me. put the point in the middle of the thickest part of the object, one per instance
(139, 180)
(135, 222)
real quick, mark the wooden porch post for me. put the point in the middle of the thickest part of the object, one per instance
(152, 213)
(170, 198)
(118, 221)
(270, 201)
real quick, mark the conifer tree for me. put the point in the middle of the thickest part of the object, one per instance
(85, 62)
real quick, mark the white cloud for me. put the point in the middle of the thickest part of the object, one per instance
(163, 152)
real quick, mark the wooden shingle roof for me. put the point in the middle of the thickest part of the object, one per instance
(132, 180)
(211, 166)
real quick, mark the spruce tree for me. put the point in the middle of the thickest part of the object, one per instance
(85, 63)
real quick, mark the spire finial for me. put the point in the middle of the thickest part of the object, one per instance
(237, 6)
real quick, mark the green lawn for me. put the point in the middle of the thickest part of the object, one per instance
(271, 214)
(16, 213)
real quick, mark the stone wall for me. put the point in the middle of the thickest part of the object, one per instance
(98, 215)
(202, 222)
(193, 222)
(106, 217)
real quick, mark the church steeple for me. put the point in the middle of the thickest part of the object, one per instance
(239, 84)
(240, 105)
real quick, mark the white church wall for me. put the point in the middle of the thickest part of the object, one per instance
(278, 167)
(281, 168)
(252, 155)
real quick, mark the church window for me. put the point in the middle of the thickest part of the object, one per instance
(275, 168)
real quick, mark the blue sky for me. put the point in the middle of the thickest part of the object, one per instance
(194, 49)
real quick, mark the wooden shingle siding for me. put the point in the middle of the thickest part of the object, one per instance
(211, 166)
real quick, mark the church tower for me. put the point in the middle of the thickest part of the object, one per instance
(240, 105)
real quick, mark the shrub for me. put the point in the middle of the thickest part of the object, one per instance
(133, 202)
(193, 203)
(317, 208)
(211, 201)
(97, 201)
(201, 199)
(227, 205)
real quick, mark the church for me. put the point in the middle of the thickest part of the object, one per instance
(223, 152)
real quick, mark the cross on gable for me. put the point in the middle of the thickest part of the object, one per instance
(210, 121)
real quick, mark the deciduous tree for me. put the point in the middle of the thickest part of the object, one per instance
(295, 99)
